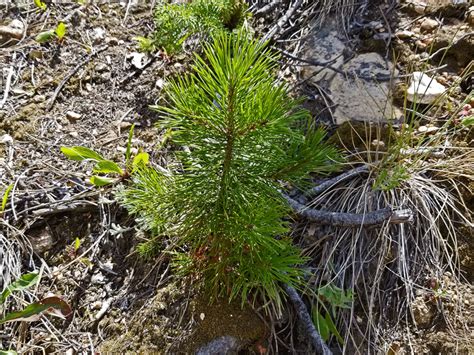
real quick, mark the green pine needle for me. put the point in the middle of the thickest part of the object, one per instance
(223, 203)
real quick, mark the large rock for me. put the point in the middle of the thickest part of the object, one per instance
(359, 89)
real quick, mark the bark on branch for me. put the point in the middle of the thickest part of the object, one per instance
(338, 179)
(306, 322)
(340, 219)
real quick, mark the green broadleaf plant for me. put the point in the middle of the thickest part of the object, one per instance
(222, 201)
(58, 33)
(25, 281)
(40, 4)
(105, 166)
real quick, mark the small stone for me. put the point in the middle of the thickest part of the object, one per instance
(424, 89)
(428, 25)
(101, 67)
(405, 34)
(73, 116)
(39, 98)
(6, 139)
(160, 83)
(422, 46)
(113, 41)
(14, 31)
(202, 316)
(139, 60)
(74, 134)
(98, 34)
(89, 87)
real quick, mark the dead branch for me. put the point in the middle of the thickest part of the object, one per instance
(340, 219)
(282, 22)
(306, 322)
(338, 179)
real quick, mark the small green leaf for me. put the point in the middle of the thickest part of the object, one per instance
(141, 159)
(60, 30)
(129, 145)
(145, 44)
(5, 197)
(107, 167)
(40, 4)
(320, 324)
(77, 244)
(102, 180)
(468, 121)
(8, 352)
(45, 36)
(25, 281)
(53, 305)
(332, 328)
(81, 153)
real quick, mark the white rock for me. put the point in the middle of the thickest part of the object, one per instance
(424, 89)
(98, 34)
(14, 30)
(73, 116)
(138, 59)
(6, 139)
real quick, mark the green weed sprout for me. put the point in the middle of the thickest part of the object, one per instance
(245, 138)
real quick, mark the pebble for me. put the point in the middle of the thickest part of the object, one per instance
(74, 134)
(101, 67)
(405, 34)
(73, 116)
(429, 25)
(39, 98)
(14, 30)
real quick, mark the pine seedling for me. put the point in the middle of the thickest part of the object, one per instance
(176, 22)
(222, 200)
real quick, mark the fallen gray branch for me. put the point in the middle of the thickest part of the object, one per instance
(275, 29)
(266, 9)
(7, 87)
(71, 74)
(340, 219)
(338, 179)
(306, 322)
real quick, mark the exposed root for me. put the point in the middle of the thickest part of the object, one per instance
(306, 322)
(356, 220)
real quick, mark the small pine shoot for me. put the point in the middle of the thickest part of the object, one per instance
(222, 201)
(176, 22)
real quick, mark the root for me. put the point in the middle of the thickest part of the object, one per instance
(306, 322)
(339, 219)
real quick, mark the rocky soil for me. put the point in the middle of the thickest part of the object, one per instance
(91, 87)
